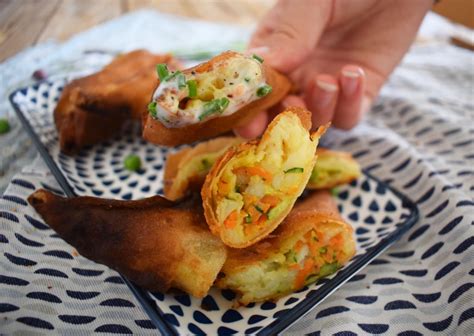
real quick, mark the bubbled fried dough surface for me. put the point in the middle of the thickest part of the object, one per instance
(153, 242)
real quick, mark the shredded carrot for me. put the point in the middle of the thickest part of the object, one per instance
(249, 200)
(254, 213)
(224, 188)
(301, 276)
(272, 200)
(259, 171)
(263, 206)
(231, 220)
(299, 245)
(336, 240)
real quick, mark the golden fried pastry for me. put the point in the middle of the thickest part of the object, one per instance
(332, 169)
(153, 242)
(312, 242)
(186, 169)
(94, 108)
(211, 98)
(253, 186)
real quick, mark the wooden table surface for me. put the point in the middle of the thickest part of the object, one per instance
(24, 23)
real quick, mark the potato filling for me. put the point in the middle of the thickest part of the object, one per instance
(258, 185)
(301, 261)
(227, 86)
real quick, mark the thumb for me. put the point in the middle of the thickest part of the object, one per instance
(289, 32)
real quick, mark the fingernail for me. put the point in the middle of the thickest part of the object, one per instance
(350, 79)
(326, 90)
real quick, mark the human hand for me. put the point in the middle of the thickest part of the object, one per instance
(339, 53)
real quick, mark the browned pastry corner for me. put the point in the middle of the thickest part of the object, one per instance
(153, 242)
(94, 108)
(156, 132)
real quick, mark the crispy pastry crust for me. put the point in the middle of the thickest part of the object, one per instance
(153, 242)
(94, 108)
(209, 203)
(175, 189)
(155, 132)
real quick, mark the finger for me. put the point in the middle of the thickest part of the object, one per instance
(293, 100)
(290, 30)
(254, 128)
(321, 98)
(349, 110)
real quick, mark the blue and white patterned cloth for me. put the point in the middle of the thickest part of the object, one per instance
(419, 137)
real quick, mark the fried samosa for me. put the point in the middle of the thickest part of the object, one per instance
(211, 98)
(186, 170)
(333, 168)
(311, 243)
(94, 108)
(253, 186)
(153, 242)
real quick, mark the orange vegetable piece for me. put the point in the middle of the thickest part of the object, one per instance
(272, 200)
(301, 276)
(231, 220)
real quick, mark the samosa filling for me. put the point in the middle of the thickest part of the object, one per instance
(259, 184)
(230, 84)
(301, 261)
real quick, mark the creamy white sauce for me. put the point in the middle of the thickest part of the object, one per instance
(237, 79)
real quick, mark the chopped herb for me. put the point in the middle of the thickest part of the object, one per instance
(132, 162)
(264, 90)
(162, 71)
(206, 164)
(4, 126)
(247, 79)
(173, 75)
(258, 58)
(181, 80)
(323, 250)
(312, 278)
(334, 192)
(259, 209)
(248, 219)
(152, 109)
(237, 188)
(214, 106)
(294, 170)
(192, 88)
(328, 269)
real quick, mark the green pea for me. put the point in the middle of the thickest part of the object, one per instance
(132, 162)
(4, 126)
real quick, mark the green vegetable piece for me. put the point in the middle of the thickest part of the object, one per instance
(248, 219)
(214, 106)
(206, 165)
(328, 269)
(152, 109)
(259, 209)
(181, 80)
(162, 71)
(258, 58)
(294, 170)
(4, 126)
(264, 90)
(192, 88)
(132, 162)
(312, 278)
(334, 192)
(323, 250)
(173, 75)
(291, 256)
